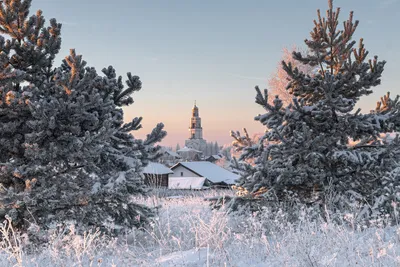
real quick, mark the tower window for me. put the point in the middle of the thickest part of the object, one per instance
(193, 135)
(193, 125)
(181, 174)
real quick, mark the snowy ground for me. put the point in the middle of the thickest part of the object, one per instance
(189, 233)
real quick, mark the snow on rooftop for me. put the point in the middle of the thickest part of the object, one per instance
(172, 153)
(211, 171)
(187, 149)
(156, 168)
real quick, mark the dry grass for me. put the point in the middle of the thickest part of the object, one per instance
(188, 233)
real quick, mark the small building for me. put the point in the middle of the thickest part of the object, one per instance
(156, 175)
(169, 157)
(188, 153)
(171, 154)
(214, 175)
(213, 158)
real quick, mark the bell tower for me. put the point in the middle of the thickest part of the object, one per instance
(195, 129)
(195, 140)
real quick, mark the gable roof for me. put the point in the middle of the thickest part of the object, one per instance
(209, 170)
(216, 157)
(172, 153)
(156, 168)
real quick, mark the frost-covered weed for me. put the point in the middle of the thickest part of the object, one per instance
(10, 244)
(189, 233)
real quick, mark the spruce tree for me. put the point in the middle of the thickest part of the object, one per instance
(67, 154)
(320, 141)
(209, 149)
(216, 148)
(26, 59)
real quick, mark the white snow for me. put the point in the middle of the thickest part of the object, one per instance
(211, 171)
(156, 168)
(172, 153)
(192, 257)
(188, 233)
(187, 149)
(121, 178)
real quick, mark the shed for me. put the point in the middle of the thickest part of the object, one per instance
(213, 158)
(156, 175)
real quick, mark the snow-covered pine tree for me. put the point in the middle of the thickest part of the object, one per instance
(26, 59)
(178, 147)
(77, 159)
(387, 195)
(307, 144)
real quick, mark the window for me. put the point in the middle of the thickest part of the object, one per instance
(181, 174)
(193, 136)
(193, 125)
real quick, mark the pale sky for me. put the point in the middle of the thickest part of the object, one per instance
(211, 51)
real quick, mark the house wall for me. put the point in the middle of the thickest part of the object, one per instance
(156, 180)
(186, 173)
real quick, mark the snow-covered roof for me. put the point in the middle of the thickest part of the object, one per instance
(156, 168)
(188, 149)
(209, 170)
(215, 157)
(186, 182)
(172, 153)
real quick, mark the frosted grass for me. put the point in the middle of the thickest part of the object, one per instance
(188, 233)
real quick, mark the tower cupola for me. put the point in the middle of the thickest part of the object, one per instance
(195, 129)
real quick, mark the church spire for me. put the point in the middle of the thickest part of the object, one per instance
(195, 129)
(195, 139)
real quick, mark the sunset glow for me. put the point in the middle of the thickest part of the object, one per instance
(186, 51)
